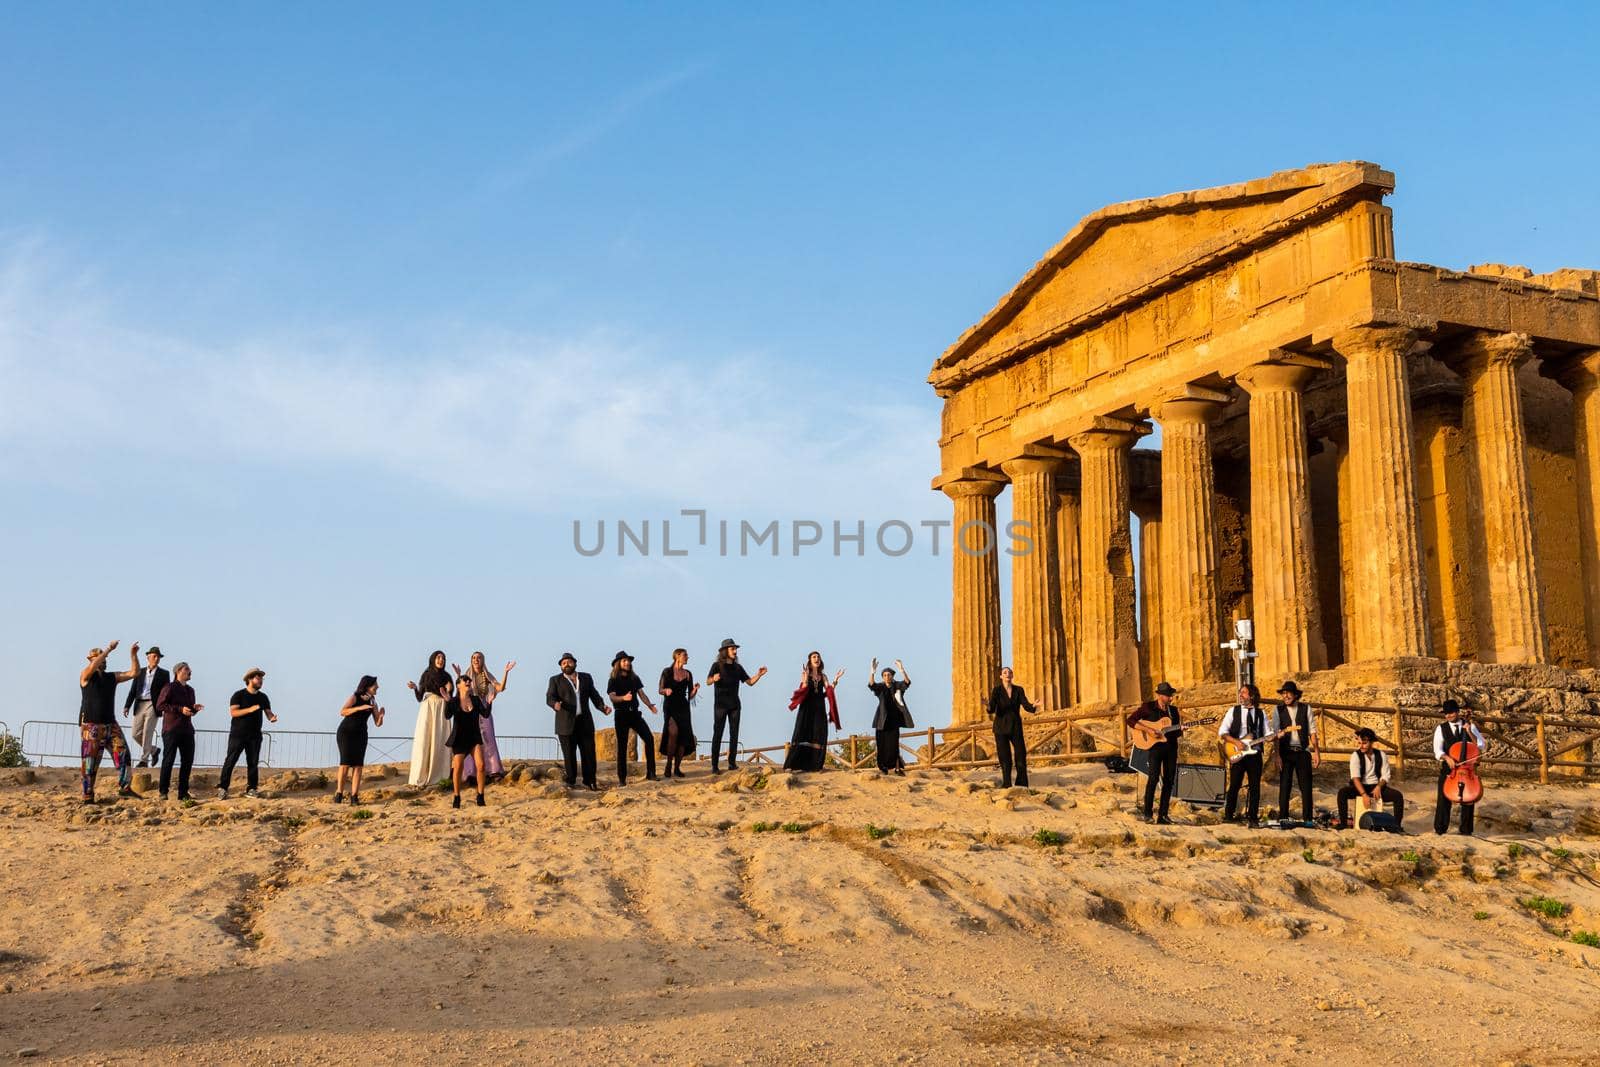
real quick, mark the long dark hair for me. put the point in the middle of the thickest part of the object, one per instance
(1255, 694)
(822, 668)
(366, 683)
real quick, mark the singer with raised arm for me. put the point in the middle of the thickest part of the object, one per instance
(1007, 702)
(815, 707)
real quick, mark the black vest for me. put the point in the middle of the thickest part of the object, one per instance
(1302, 715)
(1377, 765)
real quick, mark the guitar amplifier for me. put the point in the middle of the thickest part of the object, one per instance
(1200, 784)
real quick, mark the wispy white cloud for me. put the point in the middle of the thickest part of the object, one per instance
(602, 422)
(536, 160)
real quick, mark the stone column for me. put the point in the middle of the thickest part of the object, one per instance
(1108, 655)
(1390, 609)
(975, 596)
(1283, 567)
(1071, 591)
(1191, 597)
(1148, 507)
(1036, 640)
(1511, 605)
(1581, 375)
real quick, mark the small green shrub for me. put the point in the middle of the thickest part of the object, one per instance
(11, 751)
(191, 802)
(1309, 856)
(1046, 838)
(879, 832)
(1411, 856)
(1480, 915)
(361, 813)
(1514, 850)
(1586, 937)
(294, 822)
(1561, 853)
(763, 827)
(794, 827)
(1549, 907)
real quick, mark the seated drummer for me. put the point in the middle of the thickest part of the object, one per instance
(1369, 779)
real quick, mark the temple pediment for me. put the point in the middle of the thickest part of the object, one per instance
(1124, 253)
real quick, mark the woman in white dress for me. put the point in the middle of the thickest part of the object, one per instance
(430, 759)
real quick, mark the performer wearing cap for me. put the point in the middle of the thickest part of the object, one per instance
(570, 695)
(141, 700)
(1164, 753)
(626, 690)
(97, 720)
(1369, 779)
(1007, 702)
(247, 706)
(1299, 752)
(1447, 733)
(178, 709)
(724, 678)
(892, 716)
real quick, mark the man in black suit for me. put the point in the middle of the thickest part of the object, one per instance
(141, 703)
(570, 694)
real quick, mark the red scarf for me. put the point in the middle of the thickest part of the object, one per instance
(799, 695)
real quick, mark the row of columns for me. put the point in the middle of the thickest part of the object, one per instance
(1073, 611)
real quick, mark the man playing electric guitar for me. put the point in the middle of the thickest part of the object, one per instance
(1158, 721)
(1244, 732)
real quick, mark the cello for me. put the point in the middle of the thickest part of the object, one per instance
(1462, 785)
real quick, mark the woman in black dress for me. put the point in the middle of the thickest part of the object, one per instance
(678, 687)
(1006, 705)
(808, 748)
(358, 708)
(465, 713)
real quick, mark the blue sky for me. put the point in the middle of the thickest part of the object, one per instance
(319, 325)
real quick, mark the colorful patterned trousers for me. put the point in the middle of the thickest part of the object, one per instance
(97, 738)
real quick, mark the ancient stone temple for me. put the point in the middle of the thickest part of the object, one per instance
(1390, 467)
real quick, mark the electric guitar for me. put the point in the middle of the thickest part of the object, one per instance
(1151, 732)
(1238, 748)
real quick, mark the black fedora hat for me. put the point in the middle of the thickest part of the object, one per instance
(566, 656)
(1165, 689)
(727, 642)
(619, 657)
(1450, 707)
(1289, 687)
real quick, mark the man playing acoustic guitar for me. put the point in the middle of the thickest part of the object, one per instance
(1158, 721)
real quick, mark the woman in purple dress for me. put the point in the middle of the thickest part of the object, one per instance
(485, 687)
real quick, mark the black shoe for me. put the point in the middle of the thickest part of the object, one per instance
(455, 801)
(715, 769)
(338, 798)
(1163, 821)
(184, 798)
(591, 787)
(481, 802)
(355, 798)
(732, 765)
(165, 797)
(127, 793)
(621, 782)
(651, 778)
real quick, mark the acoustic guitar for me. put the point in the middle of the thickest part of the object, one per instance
(1164, 729)
(1238, 749)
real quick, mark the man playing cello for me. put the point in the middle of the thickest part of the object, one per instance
(1457, 727)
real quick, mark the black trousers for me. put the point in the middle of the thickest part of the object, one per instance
(887, 741)
(1294, 768)
(1388, 794)
(1247, 768)
(721, 717)
(629, 719)
(179, 745)
(1441, 808)
(1011, 748)
(579, 744)
(248, 746)
(1163, 765)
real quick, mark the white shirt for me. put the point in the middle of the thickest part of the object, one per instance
(1234, 724)
(1438, 738)
(1373, 776)
(149, 691)
(1296, 739)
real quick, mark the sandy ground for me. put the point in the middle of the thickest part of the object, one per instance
(657, 923)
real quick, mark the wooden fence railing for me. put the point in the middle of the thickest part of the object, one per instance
(1520, 743)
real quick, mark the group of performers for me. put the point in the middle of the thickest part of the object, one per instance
(1246, 730)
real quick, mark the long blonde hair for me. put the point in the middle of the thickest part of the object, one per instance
(483, 683)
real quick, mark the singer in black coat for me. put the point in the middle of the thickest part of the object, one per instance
(571, 696)
(1006, 708)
